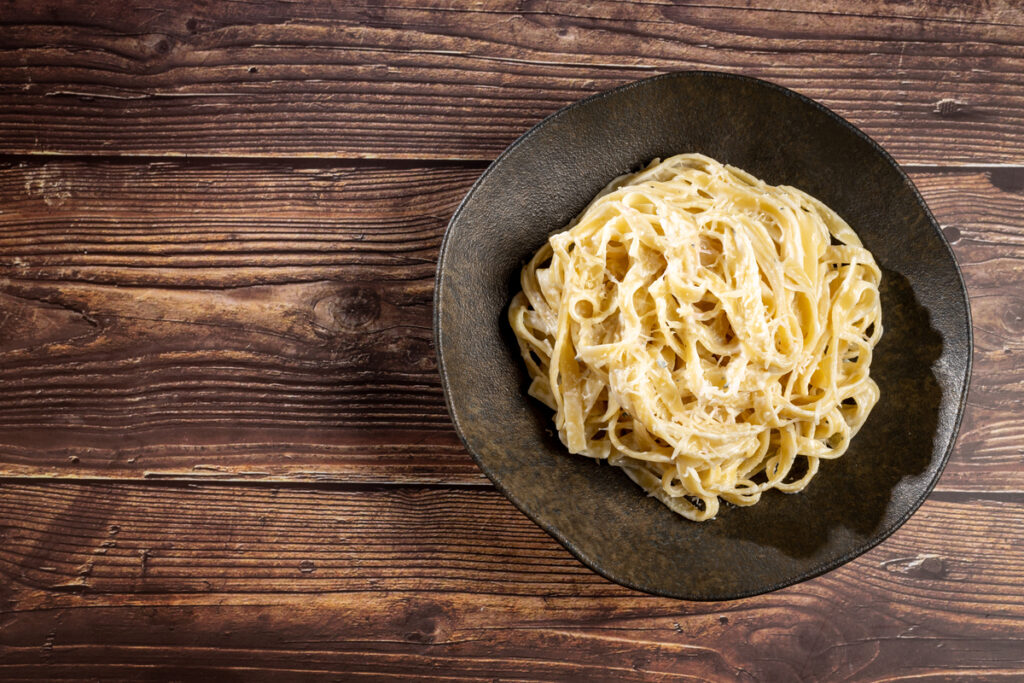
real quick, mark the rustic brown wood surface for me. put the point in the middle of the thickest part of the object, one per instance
(224, 450)
(117, 579)
(390, 79)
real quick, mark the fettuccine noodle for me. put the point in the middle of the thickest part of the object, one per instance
(708, 333)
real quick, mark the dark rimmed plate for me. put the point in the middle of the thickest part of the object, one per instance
(922, 363)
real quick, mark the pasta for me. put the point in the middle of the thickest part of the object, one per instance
(706, 332)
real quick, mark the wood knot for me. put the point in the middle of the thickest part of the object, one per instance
(155, 45)
(1013, 317)
(426, 622)
(951, 233)
(307, 566)
(352, 308)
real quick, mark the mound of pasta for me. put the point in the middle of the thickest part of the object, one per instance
(708, 333)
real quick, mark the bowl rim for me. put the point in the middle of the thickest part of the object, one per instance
(961, 401)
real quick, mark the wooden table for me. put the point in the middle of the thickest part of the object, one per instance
(223, 444)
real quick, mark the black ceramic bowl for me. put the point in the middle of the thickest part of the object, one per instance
(922, 364)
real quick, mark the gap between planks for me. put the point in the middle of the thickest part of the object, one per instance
(172, 480)
(200, 160)
(315, 160)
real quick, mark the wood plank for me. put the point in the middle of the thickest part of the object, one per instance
(990, 251)
(126, 579)
(272, 321)
(243, 316)
(934, 82)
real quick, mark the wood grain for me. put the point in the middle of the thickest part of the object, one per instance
(934, 82)
(242, 315)
(990, 251)
(121, 579)
(252, 320)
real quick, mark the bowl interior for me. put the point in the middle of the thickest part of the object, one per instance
(922, 364)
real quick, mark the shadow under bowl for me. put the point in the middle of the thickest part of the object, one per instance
(922, 364)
